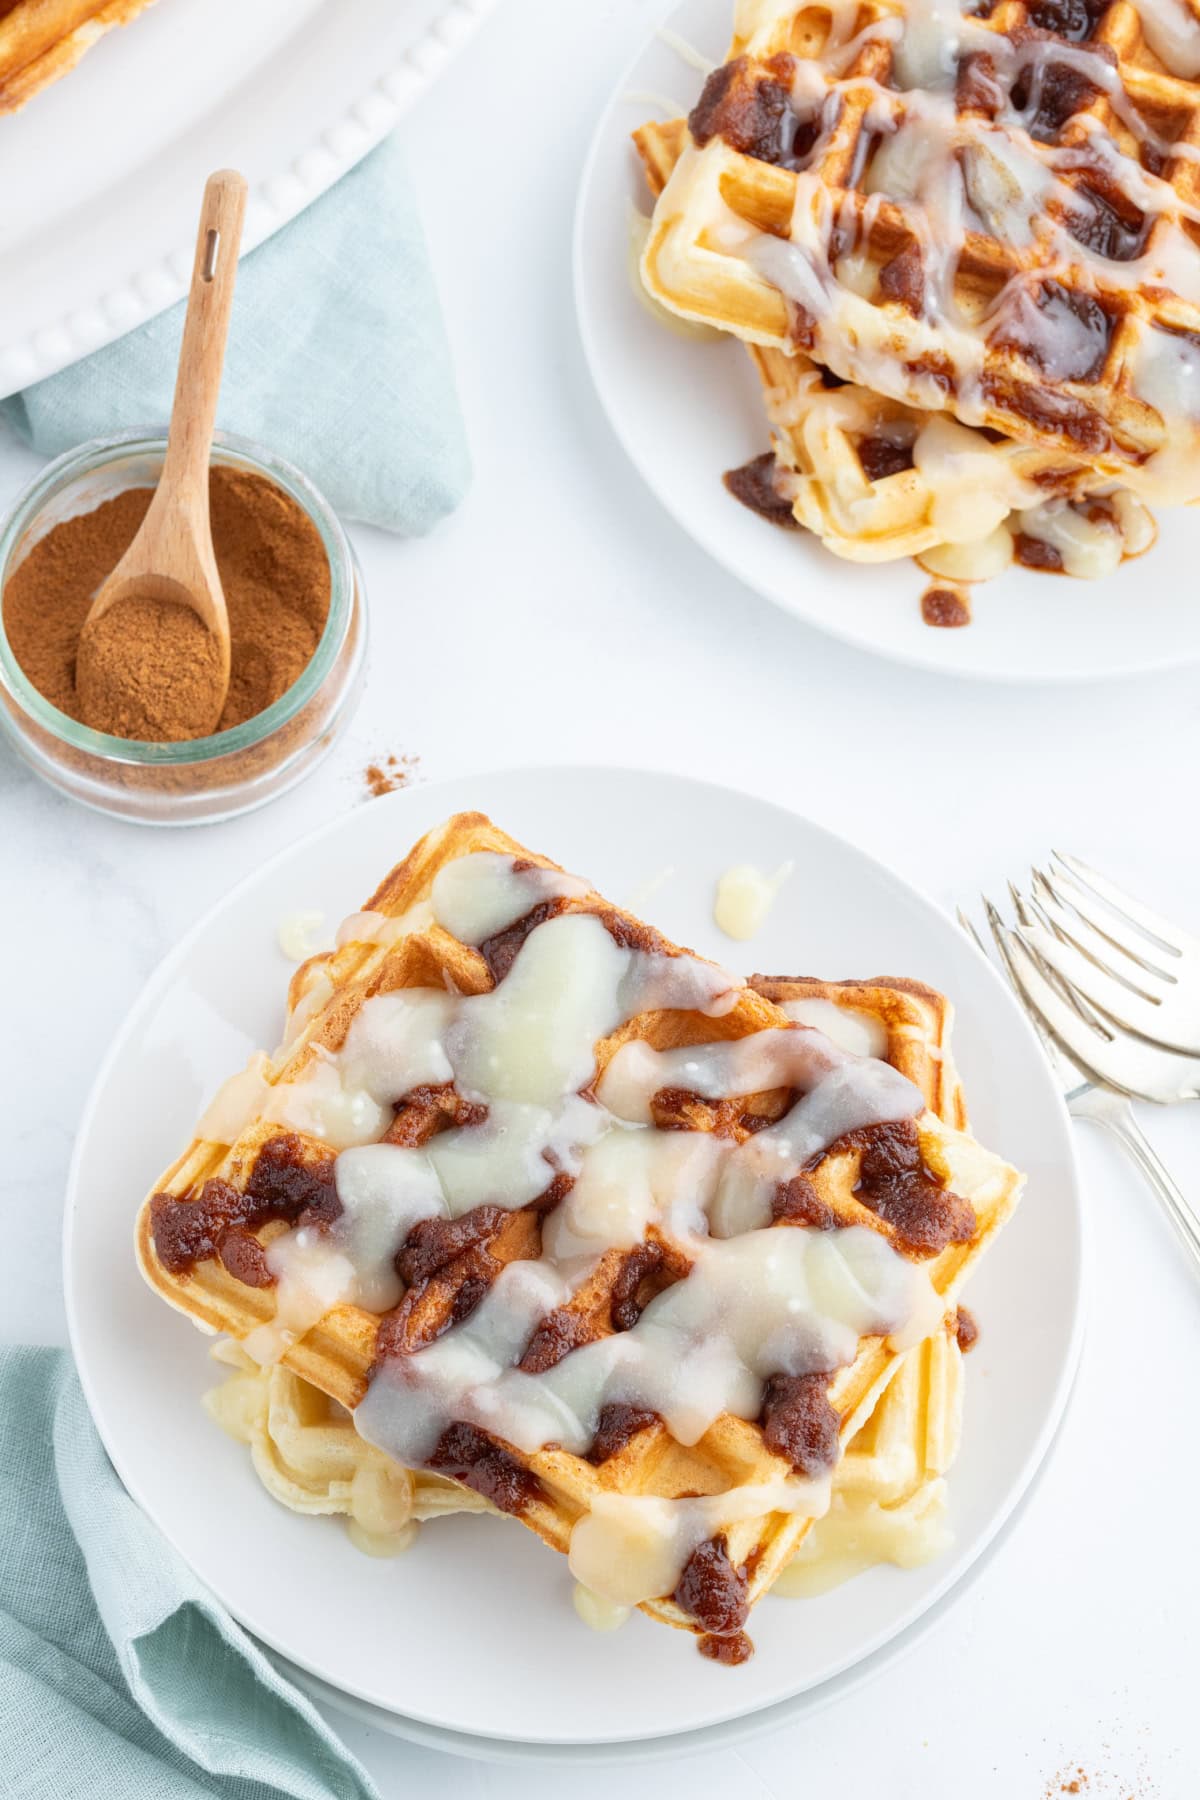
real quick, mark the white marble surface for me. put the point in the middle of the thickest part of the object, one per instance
(560, 617)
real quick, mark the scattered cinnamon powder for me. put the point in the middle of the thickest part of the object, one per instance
(1078, 1781)
(1067, 1781)
(275, 574)
(389, 774)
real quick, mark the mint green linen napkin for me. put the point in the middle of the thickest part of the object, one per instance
(337, 360)
(120, 1676)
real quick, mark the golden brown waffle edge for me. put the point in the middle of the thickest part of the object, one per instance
(43, 40)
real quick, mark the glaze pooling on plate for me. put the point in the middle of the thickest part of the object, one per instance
(745, 895)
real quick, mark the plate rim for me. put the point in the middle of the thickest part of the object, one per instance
(952, 1582)
(274, 200)
(710, 542)
(698, 1739)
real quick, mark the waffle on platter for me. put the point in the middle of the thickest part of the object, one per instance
(568, 1215)
(876, 478)
(41, 40)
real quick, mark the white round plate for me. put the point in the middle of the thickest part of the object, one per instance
(472, 1631)
(686, 409)
(704, 1740)
(95, 232)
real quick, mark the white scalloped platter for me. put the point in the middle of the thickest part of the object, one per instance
(102, 173)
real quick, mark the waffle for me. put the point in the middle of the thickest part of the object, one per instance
(668, 1494)
(889, 1489)
(869, 478)
(906, 1023)
(41, 40)
(308, 1456)
(875, 479)
(994, 217)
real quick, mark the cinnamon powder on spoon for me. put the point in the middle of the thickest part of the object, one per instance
(148, 669)
(148, 663)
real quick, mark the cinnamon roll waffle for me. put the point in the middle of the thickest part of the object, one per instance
(41, 40)
(876, 479)
(889, 1490)
(568, 1215)
(986, 215)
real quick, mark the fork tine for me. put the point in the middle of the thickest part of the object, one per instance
(1113, 999)
(1141, 1070)
(1002, 938)
(1108, 928)
(1033, 913)
(1170, 936)
(970, 930)
(996, 924)
(1029, 912)
(1019, 903)
(1066, 1071)
(999, 931)
(1003, 935)
(1122, 964)
(1083, 1045)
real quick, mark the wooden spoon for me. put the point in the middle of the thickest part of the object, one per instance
(171, 558)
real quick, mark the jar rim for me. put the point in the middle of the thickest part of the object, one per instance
(230, 450)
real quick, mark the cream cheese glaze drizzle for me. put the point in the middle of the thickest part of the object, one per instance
(848, 1026)
(755, 1301)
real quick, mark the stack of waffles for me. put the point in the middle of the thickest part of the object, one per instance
(40, 40)
(961, 248)
(562, 1216)
(889, 1501)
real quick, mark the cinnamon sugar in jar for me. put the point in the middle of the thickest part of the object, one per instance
(198, 779)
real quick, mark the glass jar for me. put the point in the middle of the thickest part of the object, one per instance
(206, 778)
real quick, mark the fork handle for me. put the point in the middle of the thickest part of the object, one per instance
(1114, 1113)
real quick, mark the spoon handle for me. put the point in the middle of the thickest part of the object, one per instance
(202, 354)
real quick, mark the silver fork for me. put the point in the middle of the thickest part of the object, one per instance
(1096, 1067)
(1133, 967)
